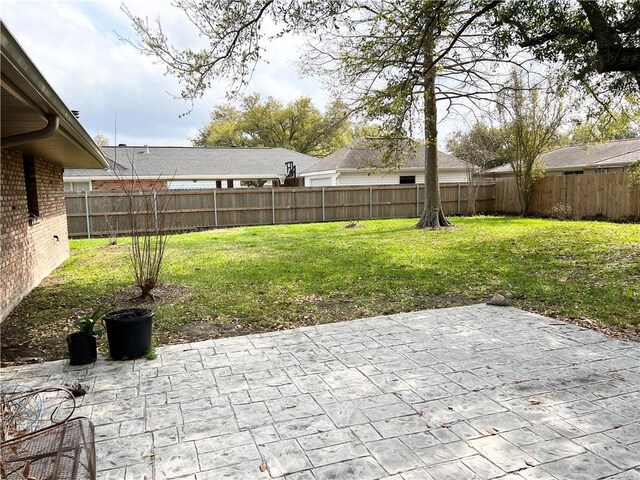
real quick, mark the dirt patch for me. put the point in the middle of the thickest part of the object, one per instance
(317, 310)
(205, 330)
(354, 224)
(24, 341)
(631, 333)
(162, 293)
(116, 246)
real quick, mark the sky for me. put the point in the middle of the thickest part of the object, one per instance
(76, 46)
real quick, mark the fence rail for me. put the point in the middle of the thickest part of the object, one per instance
(99, 213)
(608, 195)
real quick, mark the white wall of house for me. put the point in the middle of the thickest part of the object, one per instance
(451, 176)
(361, 178)
(77, 186)
(201, 184)
(191, 184)
(329, 181)
(384, 178)
(84, 185)
(321, 179)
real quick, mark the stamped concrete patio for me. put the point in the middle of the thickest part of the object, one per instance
(469, 392)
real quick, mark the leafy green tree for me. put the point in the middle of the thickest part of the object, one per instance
(399, 58)
(481, 147)
(297, 125)
(634, 174)
(221, 130)
(607, 127)
(387, 53)
(594, 43)
(529, 118)
(101, 140)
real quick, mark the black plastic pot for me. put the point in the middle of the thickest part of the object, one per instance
(128, 332)
(82, 348)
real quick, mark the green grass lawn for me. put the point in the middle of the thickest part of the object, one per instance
(240, 280)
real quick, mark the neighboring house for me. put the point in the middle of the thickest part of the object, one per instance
(362, 163)
(189, 167)
(615, 156)
(40, 137)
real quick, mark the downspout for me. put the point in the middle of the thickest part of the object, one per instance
(53, 123)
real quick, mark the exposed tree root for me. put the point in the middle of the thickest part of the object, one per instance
(143, 297)
(433, 221)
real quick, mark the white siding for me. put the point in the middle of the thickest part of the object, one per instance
(451, 176)
(361, 178)
(191, 184)
(76, 187)
(205, 184)
(319, 181)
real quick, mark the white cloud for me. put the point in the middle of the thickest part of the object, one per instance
(75, 46)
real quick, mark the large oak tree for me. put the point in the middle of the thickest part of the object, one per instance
(399, 58)
(404, 56)
(595, 44)
(297, 125)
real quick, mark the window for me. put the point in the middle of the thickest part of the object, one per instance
(31, 184)
(77, 187)
(575, 172)
(229, 183)
(407, 179)
(218, 183)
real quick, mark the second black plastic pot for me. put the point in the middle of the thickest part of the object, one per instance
(128, 332)
(82, 348)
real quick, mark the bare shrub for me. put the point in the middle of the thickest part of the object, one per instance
(112, 229)
(147, 204)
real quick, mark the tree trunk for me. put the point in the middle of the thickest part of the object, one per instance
(523, 186)
(432, 215)
(145, 294)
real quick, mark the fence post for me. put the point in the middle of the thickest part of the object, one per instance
(273, 205)
(86, 209)
(458, 198)
(215, 208)
(418, 199)
(295, 205)
(155, 210)
(371, 202)
(323, 204)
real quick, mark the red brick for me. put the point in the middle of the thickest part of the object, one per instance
(28, 253)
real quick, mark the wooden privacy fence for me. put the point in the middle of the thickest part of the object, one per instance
(607, 195)
(98, 213)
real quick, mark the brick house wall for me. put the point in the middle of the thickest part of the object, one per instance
(117, 185)
(29, 252)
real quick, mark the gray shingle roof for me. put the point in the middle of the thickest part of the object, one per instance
(369, 153)
(574, 157)
(196, 161)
